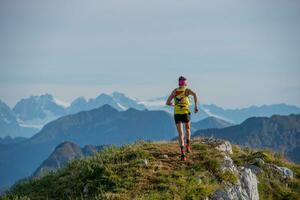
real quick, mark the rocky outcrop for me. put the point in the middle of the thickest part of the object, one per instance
(286, 172)
(245, 188)
(221, 145)
(228, 165)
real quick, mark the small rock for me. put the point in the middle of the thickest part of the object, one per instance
(249, 184)
(259, 162)
(165, 156)
(219, 144)
(200, 180)
(286, 172)
(228, 165)
(219, 195)
(254, 169)
(225, 147)
(85, 189)
(146, 162)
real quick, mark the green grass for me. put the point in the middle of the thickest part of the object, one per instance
(121, 173)
(272, 186)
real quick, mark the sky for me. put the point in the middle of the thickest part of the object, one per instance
(234, 53)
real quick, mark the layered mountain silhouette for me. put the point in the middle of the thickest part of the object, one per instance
(38, 107)
(235, 116)
(239, 115)
(101, 126)
(62, 154)
(117, 100)
(278, 133)
(9, 125)
(32, 113)
(106, 125)
(68, 151)
(10, 140)
(210, 122)
(36, 111)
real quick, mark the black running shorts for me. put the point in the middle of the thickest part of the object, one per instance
(182, 118)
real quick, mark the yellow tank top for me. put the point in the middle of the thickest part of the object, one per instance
(181, 101)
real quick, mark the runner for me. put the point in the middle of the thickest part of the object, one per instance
(182, 113)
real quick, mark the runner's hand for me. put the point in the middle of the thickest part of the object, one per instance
(196, 109)
(170, 104)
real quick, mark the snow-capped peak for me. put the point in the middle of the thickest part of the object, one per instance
(122, 107)
(61, 103)
(154, 102)
(207, 111)
(118, 95)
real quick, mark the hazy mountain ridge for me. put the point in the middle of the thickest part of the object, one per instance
(279, 133)
(117, 100)
(210, 122)
(239, 115)
(9, 125)
(34, 112)
(101, 126)
(62, 154)
(10, 140)
(108, 119)
(38, 107)
(234, 116)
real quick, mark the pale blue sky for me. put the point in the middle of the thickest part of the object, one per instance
(234, 53)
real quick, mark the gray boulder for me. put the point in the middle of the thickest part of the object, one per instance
(286, 172)
(221, 145)
(245, 189)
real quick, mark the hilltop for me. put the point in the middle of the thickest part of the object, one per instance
(152, 170)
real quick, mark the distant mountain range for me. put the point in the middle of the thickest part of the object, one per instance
(9, 125)
(235, 116)
(239, 115)
(278, 133)
(10, 140)
(43, 107)
(107, 125)
(210, 122)
(101, 126)
(68, 151)
(117, 100)
(62, 154)
(30, 114)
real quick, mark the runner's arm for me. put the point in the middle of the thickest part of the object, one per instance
(170, 98)
(191, 92)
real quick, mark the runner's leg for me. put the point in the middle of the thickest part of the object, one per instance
(180, 134)
(188, 137)
(188, 130)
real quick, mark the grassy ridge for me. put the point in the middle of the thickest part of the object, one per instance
(148, 170)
